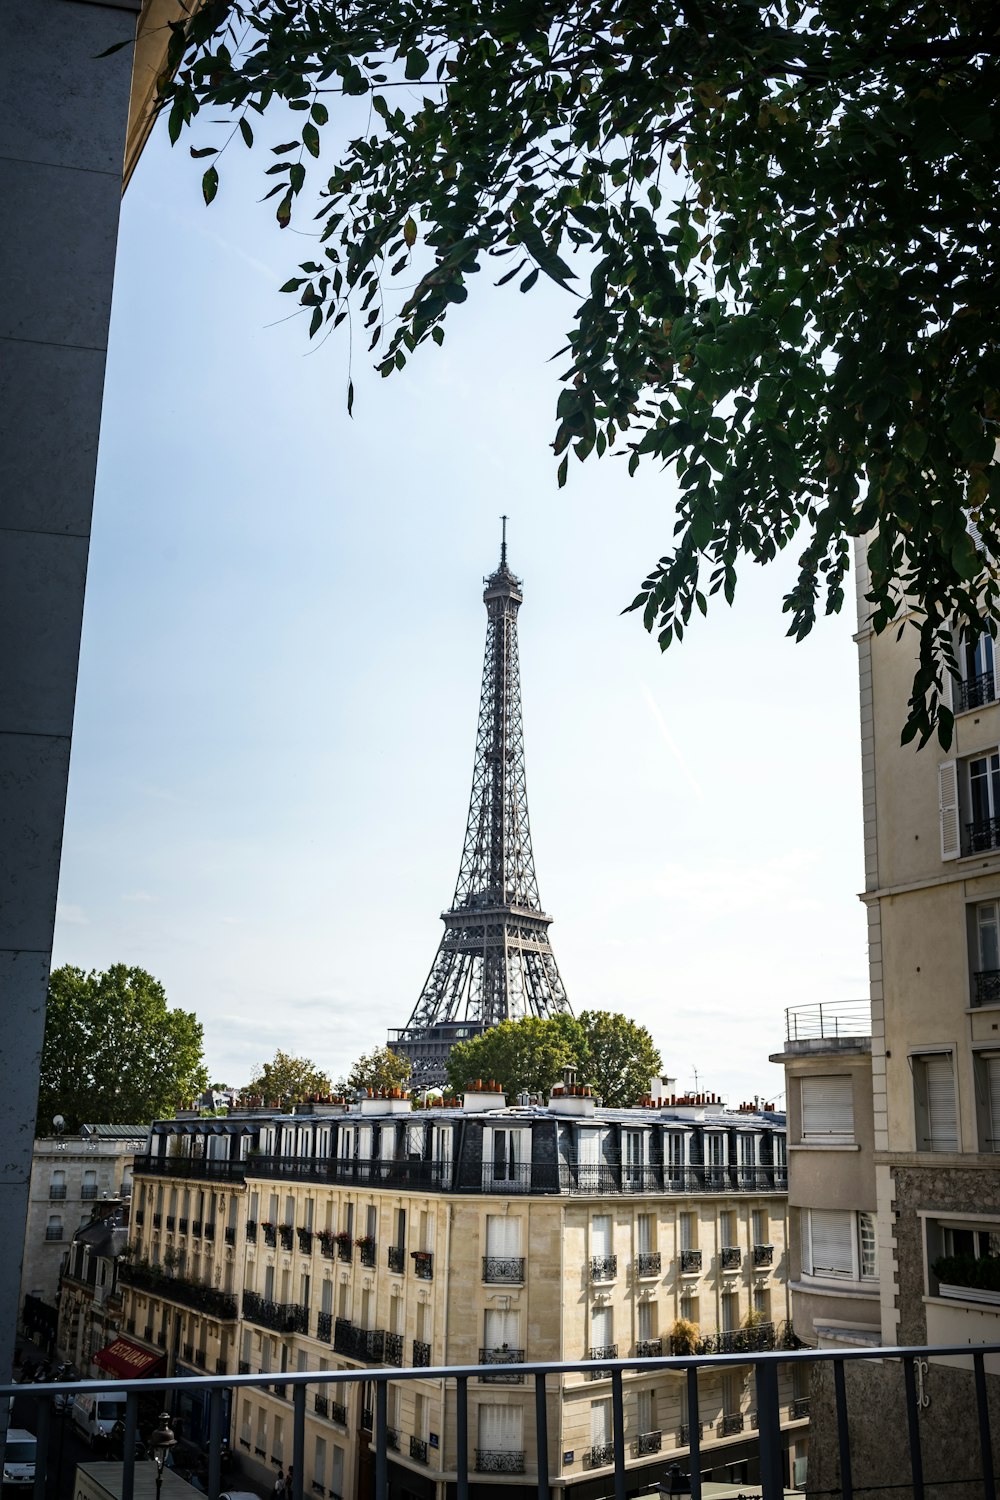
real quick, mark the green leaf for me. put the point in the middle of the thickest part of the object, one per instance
(350, 398)
(410, 233)
(562, 471)
(115, 47)
(416, 63)
(320, 113)
(246, 132)
(210, 184)
(204, 151)
(310, 139)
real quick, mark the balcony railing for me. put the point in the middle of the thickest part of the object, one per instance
(690, 1261)
(982, 834)
(196, 1228)
(88, 1192)
(731, 1257)
(190, 1166)
(648, 1442)
(766, 1436)
(270, 1232)
(394, 1349)
(742, 1340)
(359, 1343)
(648, 1348)
(158, 1220)
(503, 1270)
(502, 1357)
(182, 1226)
(280, 1317)
(324, 1326)
(499, 1461)
(321, 1405)
(648, 1263)
(396, 1258)
(799, 1408)
(368, 1251)
(140, 1216)
(421, 1354)
(731, 1424)
(230, 1234)
(179, 1289)
(602, 1351)
(423, 1265)
(986, 987)
(327, 1243)
(286, 1234)
(603, 1267)
(305, 1238)
(53, 1232)
(171, 1223)
(974, 692)
(763, 1255)
(829, 1021)
(57, 1191)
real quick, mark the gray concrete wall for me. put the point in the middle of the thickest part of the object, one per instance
(63, 119)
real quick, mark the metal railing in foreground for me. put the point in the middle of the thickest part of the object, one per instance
(766, 1418)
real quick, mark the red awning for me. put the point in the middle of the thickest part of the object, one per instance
(127, 1359)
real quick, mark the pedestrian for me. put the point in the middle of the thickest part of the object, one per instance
(288, 1483)
(279, 1485)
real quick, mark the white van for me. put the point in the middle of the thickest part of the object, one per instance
(95, 1416)
(19, 1458)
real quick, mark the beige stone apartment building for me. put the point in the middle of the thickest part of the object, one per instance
(378, 1235)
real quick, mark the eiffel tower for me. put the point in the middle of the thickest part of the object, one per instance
(494, 962)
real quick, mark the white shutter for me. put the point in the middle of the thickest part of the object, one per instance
(644, 1404)
(828, 1108)
(645, 1234)
(588, 1147)
(600, 1234)
(503, 1235)
(601, 1327)
(942, 1120)
(600, 1423)
(502, 1325)
(948, 809)
(831, 1232)
(500, 1429)
(993, 1089)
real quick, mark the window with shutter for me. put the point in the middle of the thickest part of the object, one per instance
(987, 1075)
(934, 1097)
(503, 1235)
(500, 1428)
(600, 1234)
(830, 1247)
(646, 1411)
(601, 1327)
(645, 1233)
(600, 1423)
(827, 1109)
(948, 809)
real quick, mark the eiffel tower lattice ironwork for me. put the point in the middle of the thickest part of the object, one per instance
(495, 961)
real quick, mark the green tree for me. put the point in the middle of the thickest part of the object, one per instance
(287, 1077)
(528, 1054)
(114, 1052)
(777, 223)
(619, 1057)
(378, 1069)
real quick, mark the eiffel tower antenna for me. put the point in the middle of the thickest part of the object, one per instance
(494, 962)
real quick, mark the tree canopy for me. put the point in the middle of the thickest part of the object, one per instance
(617, 1057)
(776, 225)
(375, 1070)
(287, 1077)
(114, 1052)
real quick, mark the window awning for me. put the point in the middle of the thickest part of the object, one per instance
(129, 1360)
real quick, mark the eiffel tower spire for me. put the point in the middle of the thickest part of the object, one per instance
(494, 961)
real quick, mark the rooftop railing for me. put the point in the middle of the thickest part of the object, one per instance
(829, 1020)
(540, 1461)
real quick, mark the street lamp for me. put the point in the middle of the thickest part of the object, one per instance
(674, 1483)
(161, 1441)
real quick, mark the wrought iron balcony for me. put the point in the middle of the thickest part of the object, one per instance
(208, 1230)
(690, 1261)
(599, 1456)
(327, 1243)
(171, 1223)
(499, 1461)
(423, 1265)
(305, 1238)
(270, 1233)
(243, 1367)
(392, 1439)
(338, 1413)
(394, 1349)
(421, 1353)
(366, 1344)
(57, 1191)
(799, 1408)
(179, 1289)
(731, 1257)
(731, 1424)
(648, 1442)
(763, 1255)
(183, 1225)
(286, 1234)
(368, 1418)
(196, 1228)
(503, 1270)
(229, 1234)
(157, 1220)
(603, 1267)
(647, 1263)
(251, 1230)
(974, 692)
(602, 1351)
(187, 1353)
(344, 1248)
(280, 1317)
(502, 1357)
(986, 989)
(324, 1326)
(190, 1166)
(648, 1348)
(53, 1231)
(418, 1450)
(686, 1429)
(140, 1216)
(368, 1250)
(88, 1192)
(396, 1258)
(983, 834)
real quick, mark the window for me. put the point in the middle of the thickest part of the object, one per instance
(973, 787)
(54, 1227)
(758, 1219)
(987, 1073)
(337, 1472)
(646, 1411)
(500, 1429)
(57, 1184)
(602, 1327)
(501, 1328)
(727, 1228)
(984, 801)
(319, 1462)
(934, 1100)
(730, 1311)
(674, 1156)
(838, 1244)
(633, 1159)
(601, 1428)
(645, 1321)
(689, 1307)
(978, 681)
(645, 1233)
(985, 921)
(827, 1109)
(688, 1230)
(762, 1302)
(503, 1241)
(732, 1387)
(504, 1157)
(600, 1235)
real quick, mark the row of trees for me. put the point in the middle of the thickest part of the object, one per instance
(116, 1052)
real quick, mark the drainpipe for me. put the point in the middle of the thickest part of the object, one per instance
(443, 1487)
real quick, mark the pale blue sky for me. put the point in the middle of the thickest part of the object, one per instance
(280, 675)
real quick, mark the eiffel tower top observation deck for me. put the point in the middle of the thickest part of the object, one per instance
(494, 962)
